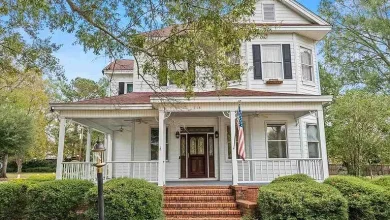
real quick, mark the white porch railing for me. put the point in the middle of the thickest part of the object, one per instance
(266, 170)
(147, 170)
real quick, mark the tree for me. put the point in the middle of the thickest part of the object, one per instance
(359, 130)
(330, 84)
(358, 47)
(15, 133)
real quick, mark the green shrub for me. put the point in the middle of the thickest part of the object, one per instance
(42, 177)
(365, 200)
(298, 178)
(383, 181)
(13, 200)
(126, 198)
(304, 200)
(57, 199)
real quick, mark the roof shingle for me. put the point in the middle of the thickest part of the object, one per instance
(120, 65)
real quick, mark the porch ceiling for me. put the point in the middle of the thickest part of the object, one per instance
(109, 125)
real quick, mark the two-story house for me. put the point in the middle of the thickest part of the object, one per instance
(194, 140)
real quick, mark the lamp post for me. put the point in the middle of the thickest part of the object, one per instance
(99, 150)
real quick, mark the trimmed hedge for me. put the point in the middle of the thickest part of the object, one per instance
(383, 181)
(57, 199)
(297, 178)
(40, 170)
(126, 198)
(365, 200)
(301, 200)
(13, 200)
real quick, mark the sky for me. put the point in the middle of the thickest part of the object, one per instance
(78, 63)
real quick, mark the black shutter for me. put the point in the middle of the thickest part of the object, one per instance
(287, 61)
(121, 88)
(257, 61)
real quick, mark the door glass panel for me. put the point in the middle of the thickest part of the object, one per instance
(200, 145)
(193, 145)
(183, 146)
(211, 146)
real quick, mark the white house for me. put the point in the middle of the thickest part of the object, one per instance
(190, 140)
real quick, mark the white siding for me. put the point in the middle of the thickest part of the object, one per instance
(121, 151)
(283, 14)
(115, 79)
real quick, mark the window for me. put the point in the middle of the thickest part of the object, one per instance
(269, 12)
(307, 65)
(154, 149)
(129, 87)
(272, 61)
(313, 141)
(276, 141)
(229, 146)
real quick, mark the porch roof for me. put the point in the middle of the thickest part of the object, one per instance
(146, 97)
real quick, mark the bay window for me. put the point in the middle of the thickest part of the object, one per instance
(307, 65)
(313, 141)
(272, 61)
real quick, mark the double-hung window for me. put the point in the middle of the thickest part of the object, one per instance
(307, 65)
(129, 87)
(277, 140)
(272, 61)
(313, 141)
(154, 140)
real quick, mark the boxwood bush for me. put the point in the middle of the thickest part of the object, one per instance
(126, 198)
(298, 178)
(59, 199)
(365, 200)
(301, 200)
(13, 200)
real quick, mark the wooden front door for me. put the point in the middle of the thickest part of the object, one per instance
(197, 158)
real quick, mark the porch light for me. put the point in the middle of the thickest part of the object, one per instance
(99, 149)
(177, 134)
(216, 134)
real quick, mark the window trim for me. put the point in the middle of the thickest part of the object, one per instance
(262, 61)
(167, 142)
(305, 81)
(266, 138)
(262, 8)
(318, 142)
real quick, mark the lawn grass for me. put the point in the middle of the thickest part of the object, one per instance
(12, 176)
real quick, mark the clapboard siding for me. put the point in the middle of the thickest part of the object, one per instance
(121, 150)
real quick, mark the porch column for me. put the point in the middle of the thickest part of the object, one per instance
(321, 132)
(60, 154)
(109, 155)
(88, 155)
(233, 145)
(161, 144)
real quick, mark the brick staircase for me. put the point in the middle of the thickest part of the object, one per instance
(200, 202)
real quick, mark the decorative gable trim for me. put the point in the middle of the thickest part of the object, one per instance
(302, 10)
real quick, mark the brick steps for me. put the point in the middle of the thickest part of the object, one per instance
(200, 203)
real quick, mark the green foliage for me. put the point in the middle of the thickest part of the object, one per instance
(382, 181)
(126, 198)
(330, 84)
(297, 178)
(42, 177)
(301, 200)
(358, 134)
(57, 199)
(12, 200)
(34, 166)
(40, 170)
(365, 200)
(357, 48)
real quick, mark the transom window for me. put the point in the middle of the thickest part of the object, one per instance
(272, 61)
(277, 140)
(154, 149)
(307, 65)
(313, 141)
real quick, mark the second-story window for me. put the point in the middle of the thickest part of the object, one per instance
(307, 65)
(129, 87)
(272, 61)
(269, 12)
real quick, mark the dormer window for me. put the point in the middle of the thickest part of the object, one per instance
(129, 87)
(269, 12)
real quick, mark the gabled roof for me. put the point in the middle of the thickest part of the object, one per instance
(123, 64)
(145, 97)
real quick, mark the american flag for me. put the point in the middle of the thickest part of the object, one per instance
(241, 139)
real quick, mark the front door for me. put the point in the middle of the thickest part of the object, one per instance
(197, 158)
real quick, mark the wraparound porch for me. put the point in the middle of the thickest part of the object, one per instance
(136, 143)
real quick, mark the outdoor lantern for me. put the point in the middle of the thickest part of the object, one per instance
(177, 134)
(99, 150)
(216, 134)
